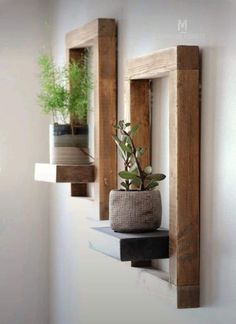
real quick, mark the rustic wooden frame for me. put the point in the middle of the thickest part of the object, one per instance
(181, 65)
(100, 35)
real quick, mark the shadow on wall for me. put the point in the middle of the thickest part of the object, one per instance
(209, 176)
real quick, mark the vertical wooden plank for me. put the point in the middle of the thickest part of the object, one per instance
(188, 177)
(140, 114)
(101, 37)
(76, 54)
(184, 185)
(188, 296)
(79, 190)
(107, 101)
(173, 176)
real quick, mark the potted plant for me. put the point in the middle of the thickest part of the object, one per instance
(65, 96)
(137, 206)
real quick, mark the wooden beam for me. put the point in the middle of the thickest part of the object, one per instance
(140, 114)
(162, 62)
(77, 54)
(64, 173)
(106, 114)
(184, 179)
(101, 37)
(79, 190)
(188, 296)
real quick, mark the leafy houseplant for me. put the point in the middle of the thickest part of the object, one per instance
(65, 96)
(137, 206)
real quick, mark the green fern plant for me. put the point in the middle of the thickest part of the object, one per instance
(65, 90)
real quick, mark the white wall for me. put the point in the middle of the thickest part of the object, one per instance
(23, 140)
(89, 288)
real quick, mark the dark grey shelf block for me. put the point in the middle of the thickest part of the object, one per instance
(130, 247)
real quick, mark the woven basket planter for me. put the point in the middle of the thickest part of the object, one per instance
(68, 148)
(135, 211)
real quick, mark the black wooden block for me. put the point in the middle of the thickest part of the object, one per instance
(130, 247)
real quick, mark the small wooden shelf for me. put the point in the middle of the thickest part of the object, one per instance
(130, 247)
(64, 173)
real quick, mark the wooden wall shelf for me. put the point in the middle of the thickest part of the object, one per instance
(130, 247)
(181, 64)
(64, 173)
(100, 38)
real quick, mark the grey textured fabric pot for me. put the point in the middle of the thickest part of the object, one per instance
(135, 211)
(68, 148)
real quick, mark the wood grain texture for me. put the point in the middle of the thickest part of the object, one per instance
(160, 63)
(85, 36)
(79, 190)
(181, 65)
(152, 66)
(106, 114)
(77, 54)
(188, 178)
(187, 57)
(173, 174)
(64, 173)
(101, 36)
(184, 179)
(140, 114)
(188, 296)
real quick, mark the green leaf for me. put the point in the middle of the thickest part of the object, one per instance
(127, 175)
(136, 181)
(125, 185)
(118, 143)
(127, 124)
(148, 169)
(116, 126)
(133, 129)
(152, 185)
(156, 177)
(126, 147)
(116, 139)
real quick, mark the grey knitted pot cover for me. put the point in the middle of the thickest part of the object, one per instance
(135, 211)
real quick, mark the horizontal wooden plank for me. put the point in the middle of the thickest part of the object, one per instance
(85, 36)
(160, 63)
(130, 247)
(152, 65)
(64, 173)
